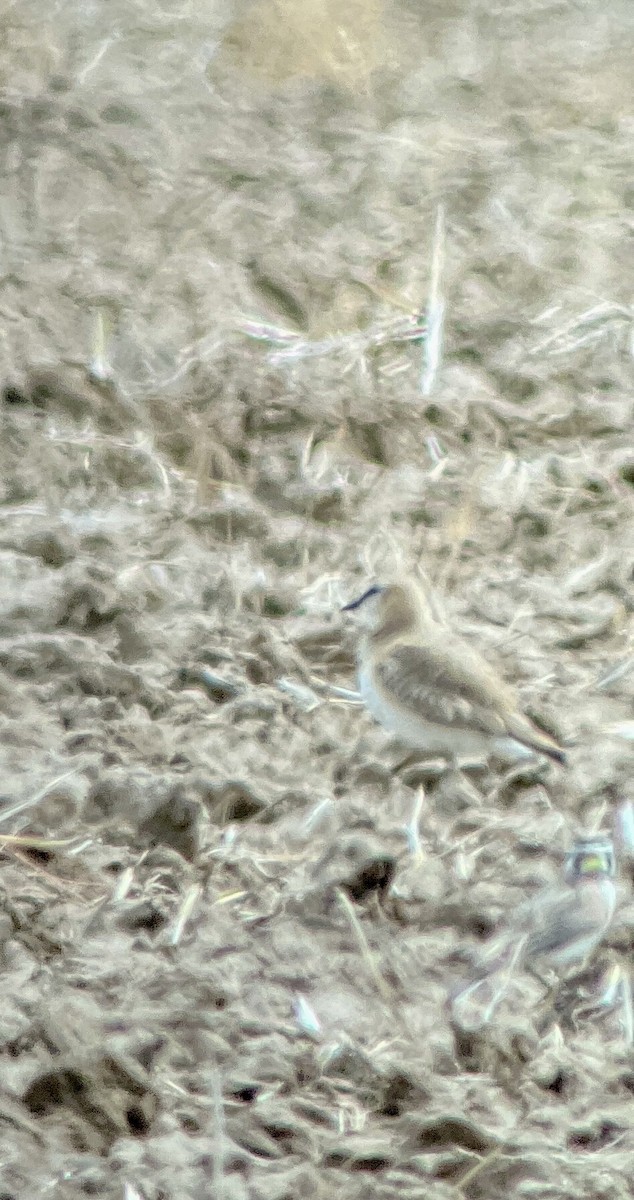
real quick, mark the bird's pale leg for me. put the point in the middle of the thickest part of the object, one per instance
(457, 766)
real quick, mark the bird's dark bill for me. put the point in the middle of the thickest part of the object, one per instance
(372, 591)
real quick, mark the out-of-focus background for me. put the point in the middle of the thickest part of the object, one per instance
(229, 923)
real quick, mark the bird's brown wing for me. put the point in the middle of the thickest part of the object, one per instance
(423, 683)
(564, 918)
(546, 925)
(455, 686)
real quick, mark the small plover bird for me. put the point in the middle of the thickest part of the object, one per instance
(434, 690)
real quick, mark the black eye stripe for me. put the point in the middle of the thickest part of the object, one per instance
(372, 591)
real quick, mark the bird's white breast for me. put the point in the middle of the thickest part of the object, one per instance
(412, 729)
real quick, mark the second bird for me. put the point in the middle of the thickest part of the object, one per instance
(431, 688)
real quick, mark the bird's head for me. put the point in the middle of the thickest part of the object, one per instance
(390, 610)
(591, 857)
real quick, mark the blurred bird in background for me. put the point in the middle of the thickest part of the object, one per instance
(556, 931)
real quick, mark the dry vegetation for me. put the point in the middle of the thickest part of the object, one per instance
(228, 926)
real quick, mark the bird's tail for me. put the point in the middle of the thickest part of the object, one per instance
(536, 739)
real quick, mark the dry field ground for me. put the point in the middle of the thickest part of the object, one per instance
(225, 957)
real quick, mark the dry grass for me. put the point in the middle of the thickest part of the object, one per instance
(292, 296)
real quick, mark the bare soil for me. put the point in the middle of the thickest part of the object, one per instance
(225, 963)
